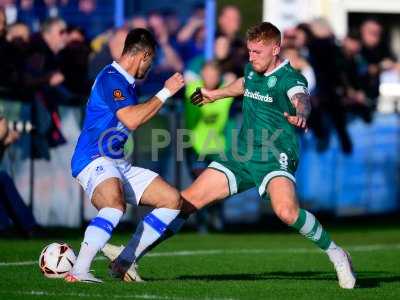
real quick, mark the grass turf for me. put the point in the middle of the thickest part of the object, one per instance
(220, 266)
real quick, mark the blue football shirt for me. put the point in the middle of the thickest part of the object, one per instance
(103, 134)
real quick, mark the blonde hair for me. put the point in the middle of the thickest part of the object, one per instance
(264, 31)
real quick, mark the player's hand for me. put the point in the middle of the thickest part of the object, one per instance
(3, 128)
(11, 138)
(298, 121)
(56, 79)
(201, 96)
(175, 83)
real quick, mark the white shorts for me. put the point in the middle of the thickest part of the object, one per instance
(134, 179)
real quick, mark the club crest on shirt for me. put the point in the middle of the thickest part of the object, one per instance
(272, 81)
(118, 96)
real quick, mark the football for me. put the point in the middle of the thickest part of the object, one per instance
(56, 260)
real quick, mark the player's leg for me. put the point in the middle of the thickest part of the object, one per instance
(103, 185)
(217, 182)
(210, 186)
(167, 203)
(284, 202)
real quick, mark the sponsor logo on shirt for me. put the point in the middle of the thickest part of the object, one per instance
(117, 94)
(258, 96)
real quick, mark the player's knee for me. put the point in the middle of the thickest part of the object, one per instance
(287, 214)
(171, 201)
(175, 201)
(192, 200)
(113, 202)
(120, 205)
(187, 207)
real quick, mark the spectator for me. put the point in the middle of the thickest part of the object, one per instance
(229, 22)
(88, 17)
(377, 55)
(13, 47)
(3, 22)
(16, 48)
(354, 69)
(13, 210)
(45, 81)
(172, 22)
(302, 39)
(6, 69)
(221, 52)
(47, 9)
(327, 101)
(191, 38)
(10, 10)
(167, 57)
(138, 22)
(167, 60)
(43, 62)
(74, 64)
(207, 124)
(18, 32)
(110, 51)
(27, 14)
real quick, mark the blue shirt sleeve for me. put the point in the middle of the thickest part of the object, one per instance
(117, 92)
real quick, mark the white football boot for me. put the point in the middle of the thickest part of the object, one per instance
(128, 275)
(87, 278)
(111, 251)
(342, 262)
(116, 270)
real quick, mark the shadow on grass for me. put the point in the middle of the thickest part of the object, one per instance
(364, 279)
(261, 276)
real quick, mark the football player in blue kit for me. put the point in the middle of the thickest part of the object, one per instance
(98, 162)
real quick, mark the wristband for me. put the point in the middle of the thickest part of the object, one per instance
(163, 94)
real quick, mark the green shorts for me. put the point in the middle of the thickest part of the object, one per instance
(243, 175)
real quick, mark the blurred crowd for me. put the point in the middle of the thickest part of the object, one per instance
(51, 51)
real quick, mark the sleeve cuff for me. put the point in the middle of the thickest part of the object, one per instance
(295, 90)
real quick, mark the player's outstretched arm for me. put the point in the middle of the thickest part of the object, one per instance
(203, 96)
(136, 115)
(301, 101)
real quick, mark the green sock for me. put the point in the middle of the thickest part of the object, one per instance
(309, 227)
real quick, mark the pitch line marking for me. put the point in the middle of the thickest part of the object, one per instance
(83, 295)
(356, 248)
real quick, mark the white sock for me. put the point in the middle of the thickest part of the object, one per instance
(96, 236)
(149, 230)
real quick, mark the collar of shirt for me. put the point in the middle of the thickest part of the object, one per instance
(124, 73)
(277, 68)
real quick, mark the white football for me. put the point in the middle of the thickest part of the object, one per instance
(56, 260)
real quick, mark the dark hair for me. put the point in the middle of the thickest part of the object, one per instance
(305, 27)
(139, 39)
(354, 34)
(264, 32)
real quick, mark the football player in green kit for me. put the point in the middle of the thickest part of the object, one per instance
(266, 155)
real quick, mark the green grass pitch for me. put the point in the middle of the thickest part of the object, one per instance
(220, 267)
